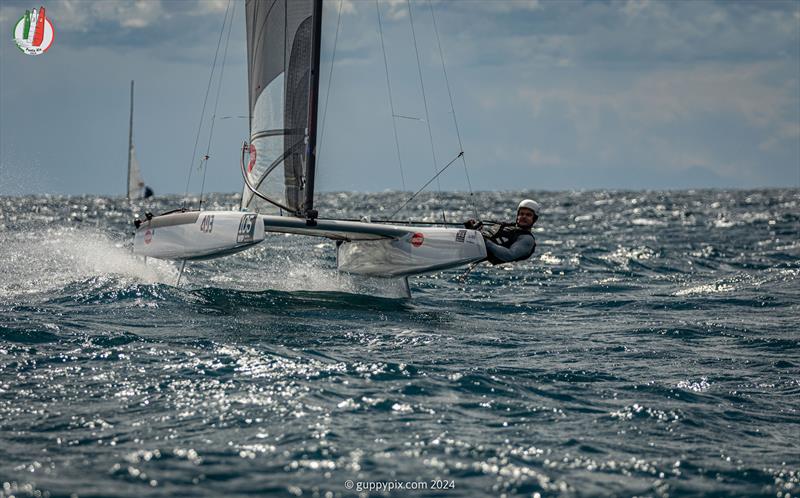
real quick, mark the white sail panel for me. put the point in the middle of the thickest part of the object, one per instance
(264, 168)
(136, 185)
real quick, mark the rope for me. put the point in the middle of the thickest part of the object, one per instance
(391, 102)
(426, 184)
(330, 80)
(205, 100)
(453, 111)
(427, 116)
(216, 103)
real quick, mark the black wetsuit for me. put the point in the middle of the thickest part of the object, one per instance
(509, 243)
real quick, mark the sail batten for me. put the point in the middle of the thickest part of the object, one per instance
(281, 81)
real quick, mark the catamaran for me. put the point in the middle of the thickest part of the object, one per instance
(278, 166)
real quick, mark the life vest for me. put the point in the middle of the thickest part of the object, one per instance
(505, 236)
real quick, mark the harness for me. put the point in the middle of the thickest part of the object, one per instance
(505, 236)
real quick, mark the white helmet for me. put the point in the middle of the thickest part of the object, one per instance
(530, 204)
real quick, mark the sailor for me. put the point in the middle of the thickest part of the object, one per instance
(511, 241)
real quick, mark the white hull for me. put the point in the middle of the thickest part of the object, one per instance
(197, 234)
(423, 250)
(371, 249)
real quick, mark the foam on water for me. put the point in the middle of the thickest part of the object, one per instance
(40, 261)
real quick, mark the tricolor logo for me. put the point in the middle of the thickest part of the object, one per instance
(252, 158)
(34, 32)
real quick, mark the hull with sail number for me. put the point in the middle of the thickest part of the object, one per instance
(197, 234)
(372, 249)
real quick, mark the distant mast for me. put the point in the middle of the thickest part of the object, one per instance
(136, 187)
(130, 145)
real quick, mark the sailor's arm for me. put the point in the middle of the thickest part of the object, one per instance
(521, 248)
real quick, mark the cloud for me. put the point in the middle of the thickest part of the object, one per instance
(102, 18)
(509, 6)
(170, 30)
(210, 7)
(73, 15)
(539, 158)
(347, 6)
(394, 10)
(727, 120)
(786, 132)
(670, 95)
(634, 8)
(644, 33)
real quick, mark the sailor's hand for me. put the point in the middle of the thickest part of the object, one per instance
(473, 224)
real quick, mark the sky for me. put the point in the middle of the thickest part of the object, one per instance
(547, 95)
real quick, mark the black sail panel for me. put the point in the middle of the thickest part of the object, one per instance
(296, 112)
(279, 51)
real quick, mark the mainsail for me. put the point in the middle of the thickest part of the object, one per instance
(283, 69)
(136, 187)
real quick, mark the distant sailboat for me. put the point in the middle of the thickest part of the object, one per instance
(136, 187)
(283, 48)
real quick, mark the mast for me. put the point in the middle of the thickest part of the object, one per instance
(313, 97)
(130, 145)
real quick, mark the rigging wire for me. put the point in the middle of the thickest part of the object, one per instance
(391, 102)
(435, 177)
(205, 101)
(330, 80)
(407, 117)
(453, 111)
(427, 116)
(216, 104)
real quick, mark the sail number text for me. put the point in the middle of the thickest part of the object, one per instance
(247, 226)
(207, 225)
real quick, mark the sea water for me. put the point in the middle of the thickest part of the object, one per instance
(649, 347)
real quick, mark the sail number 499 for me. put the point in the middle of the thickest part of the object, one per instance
(207, 224)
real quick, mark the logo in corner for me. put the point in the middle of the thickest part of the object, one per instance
(34, 32)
